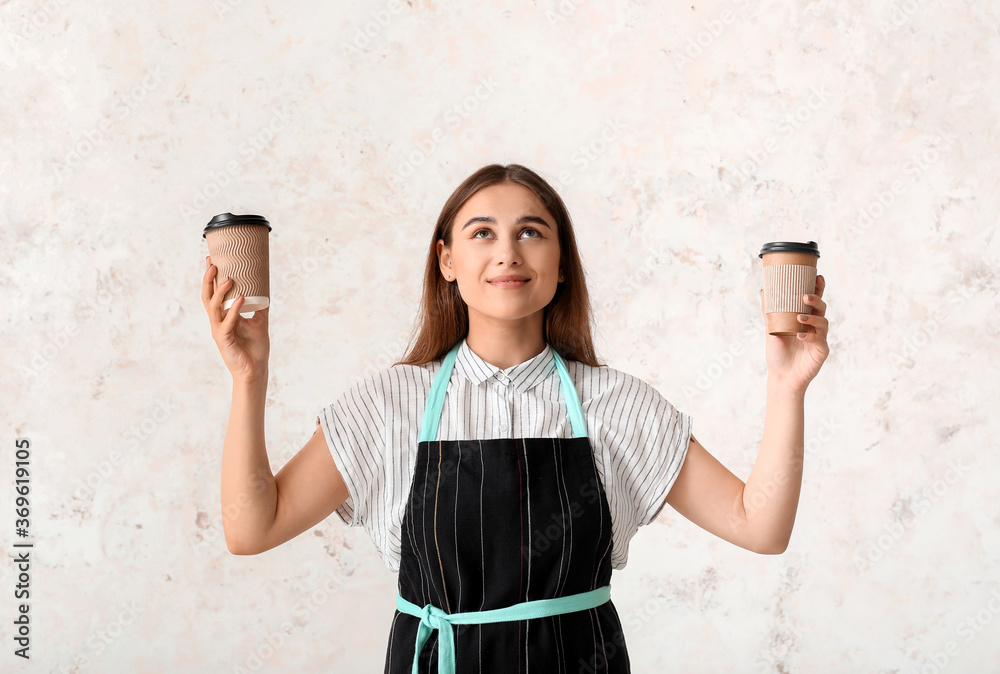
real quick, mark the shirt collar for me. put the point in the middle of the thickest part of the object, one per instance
(522, 376)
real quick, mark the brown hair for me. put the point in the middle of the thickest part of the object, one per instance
(444, 316)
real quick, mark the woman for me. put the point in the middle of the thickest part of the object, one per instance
(500, 468)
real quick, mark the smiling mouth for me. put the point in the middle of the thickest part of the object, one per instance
(510, 283)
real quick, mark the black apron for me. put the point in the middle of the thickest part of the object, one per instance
(493, 523)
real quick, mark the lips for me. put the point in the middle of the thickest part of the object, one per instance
(508, 281)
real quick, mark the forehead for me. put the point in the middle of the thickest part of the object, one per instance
(506, 201)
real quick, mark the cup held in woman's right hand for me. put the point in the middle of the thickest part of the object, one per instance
(789, 273)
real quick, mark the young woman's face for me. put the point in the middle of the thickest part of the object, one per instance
(503, 230)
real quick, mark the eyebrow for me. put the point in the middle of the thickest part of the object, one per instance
(521, 220)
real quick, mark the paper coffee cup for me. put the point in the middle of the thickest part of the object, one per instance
(238, 246)
(789, 273)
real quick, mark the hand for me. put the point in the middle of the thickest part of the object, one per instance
(243, 342)
(793, 360)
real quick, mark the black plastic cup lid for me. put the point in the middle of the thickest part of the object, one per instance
(789, 247)
(226, 219)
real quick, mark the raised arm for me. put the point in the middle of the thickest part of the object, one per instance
(760, 514)
(261, 510)
(307, 490)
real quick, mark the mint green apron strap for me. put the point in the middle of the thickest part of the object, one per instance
(435, 399)
(433, 618)
(572, 398)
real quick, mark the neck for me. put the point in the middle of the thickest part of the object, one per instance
(504, 344)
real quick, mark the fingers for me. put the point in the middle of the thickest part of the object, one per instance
(818, 305)
(817, 334)
(212, 293)
(216, 304)
(232, 314)
(206, 283)
(818, 324)
(817, 320)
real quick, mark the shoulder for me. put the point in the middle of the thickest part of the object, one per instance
(618, 392)
(393, 382)
(605, 380)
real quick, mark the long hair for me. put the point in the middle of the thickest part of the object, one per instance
(444, 315)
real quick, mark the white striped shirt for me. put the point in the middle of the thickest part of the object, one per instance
(638, 438)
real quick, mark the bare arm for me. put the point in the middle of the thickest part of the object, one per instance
(706, 493)
(249, 491)
(261, 510)
(758, 515)
(308, 488)
(771, 496)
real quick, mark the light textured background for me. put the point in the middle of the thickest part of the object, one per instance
(681, 136)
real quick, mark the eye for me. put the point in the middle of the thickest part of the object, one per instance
(537, 234)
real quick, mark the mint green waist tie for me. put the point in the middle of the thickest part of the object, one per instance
(433, 618)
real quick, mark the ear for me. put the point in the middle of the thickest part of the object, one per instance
(444, 257)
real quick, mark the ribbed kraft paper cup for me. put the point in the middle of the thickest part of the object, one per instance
(789, 273)
(240, 251)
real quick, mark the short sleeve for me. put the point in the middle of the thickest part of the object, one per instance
(645, 440)
(664, 433)
(354, 428)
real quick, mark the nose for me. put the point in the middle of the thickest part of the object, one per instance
(507, 252)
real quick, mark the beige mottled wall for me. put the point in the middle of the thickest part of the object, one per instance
(682, 136)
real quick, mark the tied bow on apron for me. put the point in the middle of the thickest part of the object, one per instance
(433, 618)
